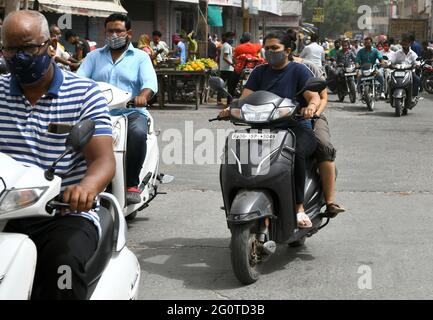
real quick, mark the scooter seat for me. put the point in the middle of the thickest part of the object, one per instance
(95, 266)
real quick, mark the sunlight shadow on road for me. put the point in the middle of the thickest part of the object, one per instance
(204, 264)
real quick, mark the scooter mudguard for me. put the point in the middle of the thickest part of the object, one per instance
(399, 93)
(250, 205)
(17, 266)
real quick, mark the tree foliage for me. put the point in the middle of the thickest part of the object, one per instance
(340, 15)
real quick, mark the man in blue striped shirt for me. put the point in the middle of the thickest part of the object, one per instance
(35, 97)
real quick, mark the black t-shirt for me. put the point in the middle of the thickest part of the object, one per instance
(285, 83)
(211, 50)
(83, 45)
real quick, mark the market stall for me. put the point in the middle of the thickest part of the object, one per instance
(185, 84)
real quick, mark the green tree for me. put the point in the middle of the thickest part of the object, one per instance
(339, 15)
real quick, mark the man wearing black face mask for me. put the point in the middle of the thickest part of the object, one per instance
(37, 99)
(131, 70)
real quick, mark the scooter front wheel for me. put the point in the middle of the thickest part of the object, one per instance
(244, 255)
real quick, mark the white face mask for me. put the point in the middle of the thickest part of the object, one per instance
(115, 42)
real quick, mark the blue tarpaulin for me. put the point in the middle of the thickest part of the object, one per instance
(214, 16)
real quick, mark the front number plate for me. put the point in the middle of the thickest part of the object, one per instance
(254, 136)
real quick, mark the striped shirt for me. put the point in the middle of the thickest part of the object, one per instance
(24, 128)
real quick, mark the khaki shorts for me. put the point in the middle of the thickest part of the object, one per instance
(325, 150)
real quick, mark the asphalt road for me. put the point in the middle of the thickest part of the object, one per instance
(379, 249)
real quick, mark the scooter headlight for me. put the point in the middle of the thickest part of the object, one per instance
(284, 112)
(349, 69)
(16, 199)
(257, 113)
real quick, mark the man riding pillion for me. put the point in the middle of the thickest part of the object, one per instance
(371, 55)
(131, 70)
(285, 79)
(407, 55)
(36, 99)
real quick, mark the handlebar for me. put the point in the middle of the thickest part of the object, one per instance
(57, 203)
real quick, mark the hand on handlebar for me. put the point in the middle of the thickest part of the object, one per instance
(308, 112)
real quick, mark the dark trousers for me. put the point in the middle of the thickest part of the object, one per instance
(230, 77)
(60, 241)
(136, 147)
(416, 82)
(305, 147)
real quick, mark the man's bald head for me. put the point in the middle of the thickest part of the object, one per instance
(23, 27)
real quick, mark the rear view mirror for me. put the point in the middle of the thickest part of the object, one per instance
(314, 85)
(80, 135)
(216, 83)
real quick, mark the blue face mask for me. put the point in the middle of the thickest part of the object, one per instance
(27, 68)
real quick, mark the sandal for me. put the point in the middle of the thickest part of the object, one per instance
(304, 221)
(332, 209)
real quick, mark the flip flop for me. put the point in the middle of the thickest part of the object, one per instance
(332, 209)
(302, 217)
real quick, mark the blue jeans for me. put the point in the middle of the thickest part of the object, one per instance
(136, 147)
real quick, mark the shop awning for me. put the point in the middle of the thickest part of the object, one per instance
(82, 7)
(190, 1)
(214, 16)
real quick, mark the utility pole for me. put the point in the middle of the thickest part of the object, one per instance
(203, 29)
(245, 16)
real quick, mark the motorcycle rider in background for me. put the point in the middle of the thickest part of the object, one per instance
(368, 54)
(407, 55)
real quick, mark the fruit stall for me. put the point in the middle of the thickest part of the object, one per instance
(185, 84)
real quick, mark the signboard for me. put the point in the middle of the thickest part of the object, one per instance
(398, 27)
(318, 14)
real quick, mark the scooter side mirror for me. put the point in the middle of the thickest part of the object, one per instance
(78, 138)
(216, 83)
(314, 85)
(80, 135)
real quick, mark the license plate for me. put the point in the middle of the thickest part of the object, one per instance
(368, 78)
(254, 136)
(350, 74)
(399, 74)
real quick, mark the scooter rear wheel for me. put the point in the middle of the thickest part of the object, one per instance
(243, 253)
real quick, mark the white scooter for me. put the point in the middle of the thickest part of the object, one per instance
(149, 174)
(113, 273)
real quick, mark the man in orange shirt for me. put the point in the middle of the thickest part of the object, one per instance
(246, 47)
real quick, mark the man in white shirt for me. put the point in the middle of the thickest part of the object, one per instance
(159, 46)
(314, 52)
(407, 55)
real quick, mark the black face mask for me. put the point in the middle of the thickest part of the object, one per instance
(275, 58)
(230, 42)
(27, 68)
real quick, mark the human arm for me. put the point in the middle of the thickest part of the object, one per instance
(98, 154)
(323, 102)
(313, 100)
(148, 82)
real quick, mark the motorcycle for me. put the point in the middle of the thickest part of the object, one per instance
(346, 82)
(401, 88)
(149, 175)
(257, 180)
(369, 86)
(112, 273)
(427, 76)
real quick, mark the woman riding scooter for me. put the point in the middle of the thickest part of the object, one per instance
(278, 73)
